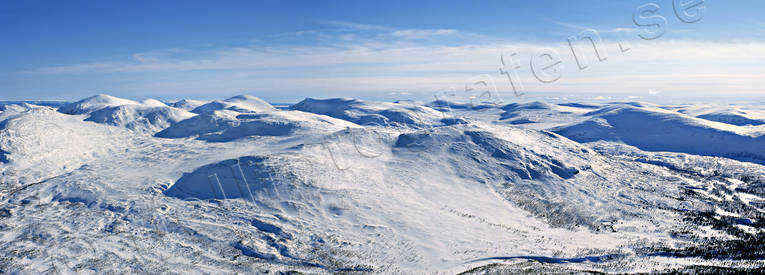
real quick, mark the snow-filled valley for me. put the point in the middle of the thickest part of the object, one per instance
(111, 185)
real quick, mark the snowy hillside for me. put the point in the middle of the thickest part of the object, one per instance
(372, 113)
(729, 115)
(110, 185)
(659, 130)
(94, 103)
(242, 103)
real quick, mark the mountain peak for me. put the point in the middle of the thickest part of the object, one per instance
(93, 103)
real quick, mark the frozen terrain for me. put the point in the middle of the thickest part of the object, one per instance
(109, 185)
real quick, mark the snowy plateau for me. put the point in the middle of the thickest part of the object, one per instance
(237, 186)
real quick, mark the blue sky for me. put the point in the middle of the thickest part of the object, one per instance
(287, 50)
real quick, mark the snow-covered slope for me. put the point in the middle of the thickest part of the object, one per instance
(343, 185)
(729, 115)
(222, 126)
(541, 115)
(149, 115)
(140, 117)
(94, 103)
(39, 143)
(188, 104)
(150, 102)
(241, 103)
(247, 116)
(372, 113)
(656, 129)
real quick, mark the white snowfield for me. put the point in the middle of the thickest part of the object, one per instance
(108, 185)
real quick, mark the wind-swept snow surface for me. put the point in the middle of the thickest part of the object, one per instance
(108, 185)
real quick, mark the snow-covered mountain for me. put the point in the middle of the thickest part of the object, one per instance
(372, 113)
(241, 103)
(727, 114)
(93, 103)
(655, 129)
(109, 185)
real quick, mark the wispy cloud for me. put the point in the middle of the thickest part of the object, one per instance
(623, 30)
(567, 25)
(420, 33)
(357, 26)
(383, 59)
